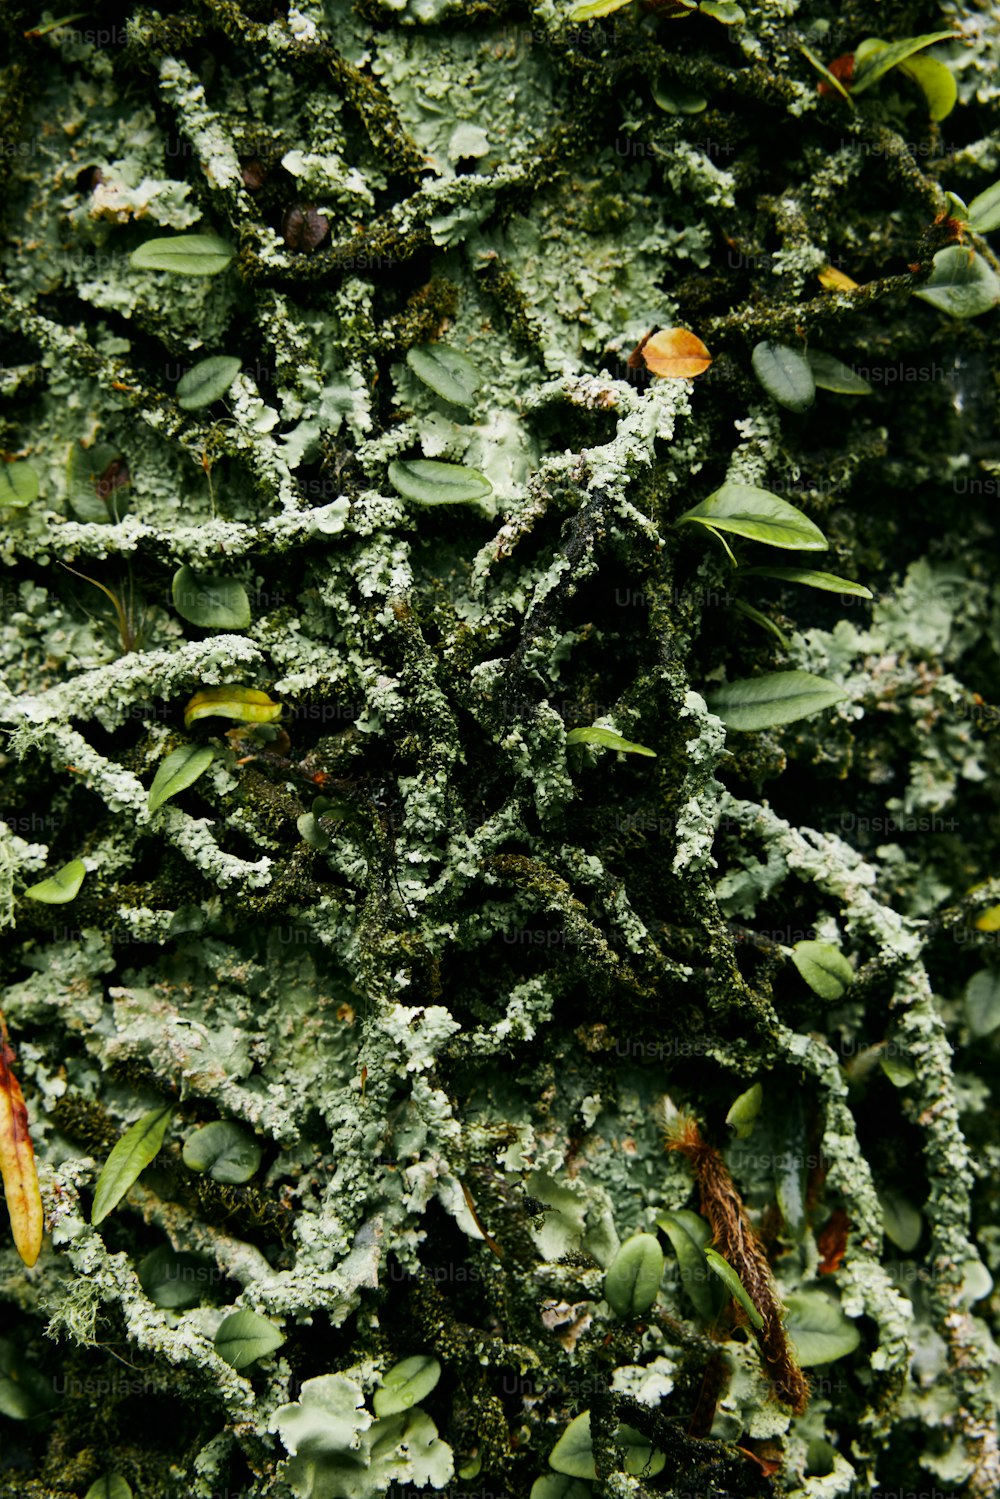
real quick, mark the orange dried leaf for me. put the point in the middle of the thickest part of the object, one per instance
(676, 354)
(17, 1160)
(832, 1242)
(835, 280)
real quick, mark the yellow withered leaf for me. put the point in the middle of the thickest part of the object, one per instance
(17, 1160)
(244, 703)
(835, 280)
(676, 354)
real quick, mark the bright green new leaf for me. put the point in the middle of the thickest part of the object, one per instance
(246, 704)
(777, 697)
(607, 739)
(961, 283)
(749, 612)
(873, 61)
(726, 11)
(824, 968)
(785, 374)
(936, 82)
(109, 1486)
(733, 1285)
(829, 582)
(406, 1384)
(206, 381)
(226, 1152)
(689, 1234)
(18, 484)
(244, 1337)
(831, 374)
(448, 373)
(900, 1220)
(573, 1454)
(128, 1159)
(984, 210)
(982, 1002)
(429, 482)
(818, 1329)
(184, 255)
(60, 887)
(632, 1280)
(211, 603)
(590, 10)
(758, 515)
(180, 769)
(745, 1110)
(174, 1279)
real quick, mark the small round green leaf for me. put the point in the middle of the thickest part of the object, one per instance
(961, 283)
(573, 1454)
(553, 1486)
(777, 697)
(109, 1486)
(174, 1279)
(607, 739)
(898, 1071)
(758, 515)
(60, 887)
(984, 210)
(206, 381)
(180, 769)
(745, 1110)
(184, 255)
(429, 482)
(733, 1285)
(982, 1001)
(448, 373)
(244, 1337)
(632, 1280)
(128, 1159)
(785, 374)
(818, 1328)
(901, 1220)
(225, 1151)
(406, 1384)
(937, 83)
(211, 603)
(824, 968)
(831, 374)
(18, 484)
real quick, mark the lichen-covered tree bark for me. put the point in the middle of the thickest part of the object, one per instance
(474, 794)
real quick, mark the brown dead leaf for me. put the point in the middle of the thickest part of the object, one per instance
(676, 354)
(17, 1160)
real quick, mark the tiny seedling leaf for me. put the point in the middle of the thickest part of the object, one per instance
(984, 210)
(429, 482)
(18, 484)
(61, 887)
(936, 82)
(173, 1279)
(128, 1159)
(733, 1285)
(831, 374)
(17, 1160)
(961, 283)
(211, 603)
(982, 1002)
(777, 697)
(785, 374)
(745, 1110)
(244, 1337)
(109, 1486)
(226, 1152)
(206, 381)
(898, 1071)
(824, 968)
(758, 515)
(180, 769)
(184, 255)
(818, 1329)
(874, 61)
(246, 704)
(448, 373)
(829, 582)
(607, 739)
(632, 1280)
(406, 1384)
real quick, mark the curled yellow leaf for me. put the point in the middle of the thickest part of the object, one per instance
(835, 280)
(676, 354)
(244, 703)
(17, 1160)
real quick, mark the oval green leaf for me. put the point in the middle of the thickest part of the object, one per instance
(211, 603)
(607, 739)
(128, 1159)
(226, 1152)
(961, 283)
(109, 1486)
(726, 11)
(758, 515)
(897, 1070)
(244, 1337)
(785, 374)
(632, 1280)
(832, 374)
(824, 968)
(777, 697)
(429, 482)
(745, 1110)
(552, 1486)
(982, 1002)
(936, 82)
(689, 1234)
(18, 484)
(406, 1384)
(246, 704)
(590, 10)
(173, 1279)
(206, 381)
(60, 887)
(180, 769)
(984, 210)
(733, 1285)
(675, 98)
(184, 255)
(829, 582)
(900, 1220)
(875, 60)
(818, 1328)
(96, 483)
(448, 373)
(573, 1454)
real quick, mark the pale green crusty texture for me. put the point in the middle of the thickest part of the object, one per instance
(451, 1027)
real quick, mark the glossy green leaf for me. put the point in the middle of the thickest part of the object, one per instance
(406, 1384)
(128, 1159)
(244, 1337)
(829, 582)
(224, 1150)
(206, 381)
(733, 1285)
(726, 11)
(607, 739)
(632, 1280)
(676, 98)
(590, 10)
(758, 515)
(428, 482)
(573, 1454)
(818, 1329)
(109, 1486)
(745, 1109)
(982, 1001)
(689, 1234)
(875, 61)
(18, 484)
(759, 618)
(984, 210)
(211, 603)
(824, 968)
(777, 697)
(178, 771)
(831, 374)
(448, 373)
(785, 374)
(900, 1220)
(174, 1279)
(961, 283)
(60, 887)
(552, 1486)
(957, 207)
(937, 83)
(184, 255)
(245, 704)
